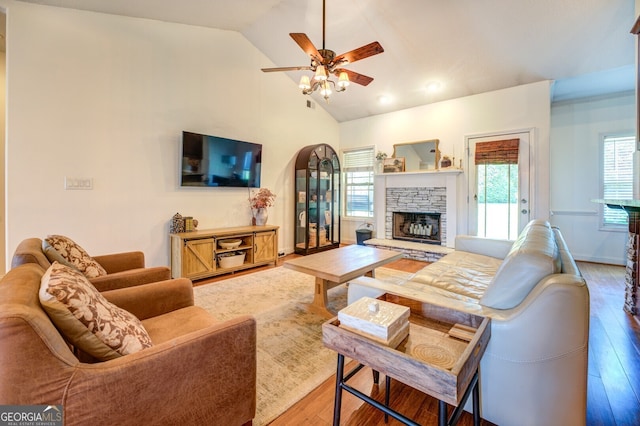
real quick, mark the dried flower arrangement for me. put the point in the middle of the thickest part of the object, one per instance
(262, 199)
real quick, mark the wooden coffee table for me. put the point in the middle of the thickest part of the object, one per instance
(334, 267)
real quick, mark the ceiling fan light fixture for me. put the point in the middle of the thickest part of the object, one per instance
(343, 80)
(325, 89)
(321, 74)
(305, 83)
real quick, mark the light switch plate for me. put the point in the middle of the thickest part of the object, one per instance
(78, 183)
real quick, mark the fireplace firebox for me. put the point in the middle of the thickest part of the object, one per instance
(419, 227)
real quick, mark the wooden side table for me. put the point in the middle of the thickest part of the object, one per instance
(440, 358)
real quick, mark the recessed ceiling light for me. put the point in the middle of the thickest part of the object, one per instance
(383, 99)
(434, 86)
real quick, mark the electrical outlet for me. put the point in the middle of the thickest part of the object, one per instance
(78, 183)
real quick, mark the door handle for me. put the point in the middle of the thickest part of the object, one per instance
(524, 211)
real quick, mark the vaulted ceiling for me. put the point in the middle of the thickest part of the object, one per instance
(468, 46)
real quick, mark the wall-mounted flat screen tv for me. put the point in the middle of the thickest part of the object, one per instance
(213, 161)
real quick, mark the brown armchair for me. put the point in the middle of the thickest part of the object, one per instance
(123, 269)
(198, 371)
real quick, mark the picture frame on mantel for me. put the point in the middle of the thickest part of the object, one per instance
(393, 165)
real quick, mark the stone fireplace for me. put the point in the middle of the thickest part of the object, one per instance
(431, 192)
(416, 203)
(420, 227)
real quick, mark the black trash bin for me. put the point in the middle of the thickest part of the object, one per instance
(362, 235)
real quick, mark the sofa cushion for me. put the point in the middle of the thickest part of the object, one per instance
(171, 325)
(76, 255)
(461, 273)
(533, 256)
(86, 318)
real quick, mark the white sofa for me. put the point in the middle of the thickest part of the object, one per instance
(534, 371)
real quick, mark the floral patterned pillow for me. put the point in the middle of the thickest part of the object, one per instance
(76, 255)
(88, 320)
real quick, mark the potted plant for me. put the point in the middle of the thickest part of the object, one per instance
(259, 203)
(380, 156)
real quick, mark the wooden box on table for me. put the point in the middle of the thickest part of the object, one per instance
(439, 357)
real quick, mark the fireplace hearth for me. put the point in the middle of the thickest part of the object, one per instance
(420, 227)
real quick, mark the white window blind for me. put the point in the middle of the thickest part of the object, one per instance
(617, 175)
(357, 168)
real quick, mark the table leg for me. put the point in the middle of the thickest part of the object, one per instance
(476, 404)
(320, 299)
(387, 396)
(442, 413)
(337, 403)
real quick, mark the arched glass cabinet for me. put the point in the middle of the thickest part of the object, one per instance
(317, 199)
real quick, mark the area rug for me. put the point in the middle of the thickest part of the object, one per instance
(291, 358)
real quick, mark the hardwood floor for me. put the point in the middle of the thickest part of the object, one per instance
(613, 396)
(614, 350)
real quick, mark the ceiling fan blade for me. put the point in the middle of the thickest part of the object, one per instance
(285, 69)
(306, 45)
(370, 49)
(355, 77)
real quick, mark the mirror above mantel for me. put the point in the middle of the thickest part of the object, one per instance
(421, 155)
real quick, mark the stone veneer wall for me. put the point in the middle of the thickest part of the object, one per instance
(416, 200)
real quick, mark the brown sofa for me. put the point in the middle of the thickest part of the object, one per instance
(123, 269)
(198, 371)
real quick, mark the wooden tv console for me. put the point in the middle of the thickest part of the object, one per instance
(195, 254)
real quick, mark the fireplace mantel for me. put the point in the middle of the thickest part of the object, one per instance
(420, 179)
(451, 170)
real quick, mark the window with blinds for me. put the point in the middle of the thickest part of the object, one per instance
(617, 176)
(357, 172)
(497, 152)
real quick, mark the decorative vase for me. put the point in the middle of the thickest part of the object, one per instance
(261, 216)
(177, 224)
(379, 166)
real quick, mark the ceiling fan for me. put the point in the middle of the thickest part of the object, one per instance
(325, 62)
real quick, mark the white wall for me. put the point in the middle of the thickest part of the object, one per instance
(577, 128)
(106, 97)
(517, 108)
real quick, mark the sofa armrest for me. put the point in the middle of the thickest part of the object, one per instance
(485, 246)
(204, 377)
(131, 278)
(150, 300)
(118, 262)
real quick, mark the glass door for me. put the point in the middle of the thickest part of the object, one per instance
(499, 205)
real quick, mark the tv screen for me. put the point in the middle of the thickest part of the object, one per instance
(214, 161)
